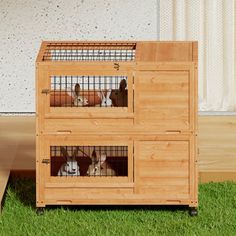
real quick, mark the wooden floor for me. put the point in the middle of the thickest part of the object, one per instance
(217, 146)
(17, 143)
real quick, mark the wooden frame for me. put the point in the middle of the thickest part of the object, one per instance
(159, 126)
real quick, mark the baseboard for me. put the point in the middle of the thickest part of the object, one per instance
(217, 176)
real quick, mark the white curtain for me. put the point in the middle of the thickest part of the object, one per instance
(212, 24)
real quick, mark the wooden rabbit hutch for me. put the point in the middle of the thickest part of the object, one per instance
(117, 123)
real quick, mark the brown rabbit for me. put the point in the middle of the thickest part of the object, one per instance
(119, 97)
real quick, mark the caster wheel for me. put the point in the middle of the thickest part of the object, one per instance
(193, 211)
(40, 211)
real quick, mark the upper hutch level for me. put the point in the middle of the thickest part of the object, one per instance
(117, 51)
(146, 82)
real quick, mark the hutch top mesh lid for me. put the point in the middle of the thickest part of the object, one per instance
(88, 51)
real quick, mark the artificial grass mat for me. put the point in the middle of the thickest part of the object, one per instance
(217, 215)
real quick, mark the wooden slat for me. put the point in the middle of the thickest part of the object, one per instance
(85, 125)
(120, 199)
(164, 51)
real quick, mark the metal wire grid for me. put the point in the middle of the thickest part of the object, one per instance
(116, 163)
(90, 52)
(93, 89)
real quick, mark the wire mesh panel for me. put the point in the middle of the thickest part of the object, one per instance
(89, 91)
(89, 160)
(89, 52)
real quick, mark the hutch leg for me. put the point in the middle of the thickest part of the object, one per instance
(40, 210)
(193, 211)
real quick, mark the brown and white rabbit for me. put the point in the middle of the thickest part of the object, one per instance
(79, 101)
(100, 166)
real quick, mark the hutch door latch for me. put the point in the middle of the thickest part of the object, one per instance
(116, 66)
(46, 91)
(45, 161)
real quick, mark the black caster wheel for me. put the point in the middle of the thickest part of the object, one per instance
(40, 211)
(193, 211)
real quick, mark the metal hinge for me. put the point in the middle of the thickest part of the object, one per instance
(116, 66)
(46, 91)
(46, 161)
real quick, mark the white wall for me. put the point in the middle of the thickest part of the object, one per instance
(25, 23)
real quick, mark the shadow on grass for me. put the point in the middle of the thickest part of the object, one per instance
(169, 208)
(25, 192)
(23, 189)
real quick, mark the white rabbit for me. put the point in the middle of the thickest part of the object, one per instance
(106, 101)
(71, 167)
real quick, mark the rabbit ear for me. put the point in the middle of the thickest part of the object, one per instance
(64, 152)
(108, 93)
(77, 89)
(94, 156)
(102, 95)
(103, 158)
(74, 153)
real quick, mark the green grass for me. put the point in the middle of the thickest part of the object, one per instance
(217, 215)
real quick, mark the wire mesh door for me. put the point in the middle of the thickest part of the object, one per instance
(102, 93)
(89, 91)
(75, 161)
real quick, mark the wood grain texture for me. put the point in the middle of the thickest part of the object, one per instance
(162, 166)
(162, 100)
(164, 51)
(217, 143)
